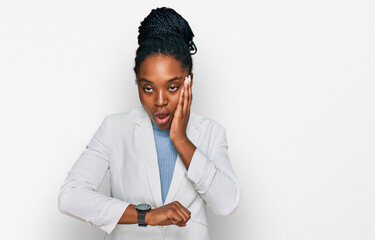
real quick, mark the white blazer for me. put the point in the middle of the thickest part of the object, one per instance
(124, 145)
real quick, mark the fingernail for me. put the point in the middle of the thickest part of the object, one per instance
(186, 79)
(189, 78)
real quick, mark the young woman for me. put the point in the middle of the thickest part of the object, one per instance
(166, 163)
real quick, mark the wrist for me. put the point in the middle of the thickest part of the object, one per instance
(148, 217)
(142, 210)
(181, 140)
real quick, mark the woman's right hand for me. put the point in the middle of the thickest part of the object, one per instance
(172, 213)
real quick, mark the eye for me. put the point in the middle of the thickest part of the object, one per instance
(147, 89)
(173, 88)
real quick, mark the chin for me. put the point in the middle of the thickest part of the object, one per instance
(163, 126)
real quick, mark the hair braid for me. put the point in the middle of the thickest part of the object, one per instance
(164, 31)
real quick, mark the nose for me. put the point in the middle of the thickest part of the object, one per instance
(161, 99)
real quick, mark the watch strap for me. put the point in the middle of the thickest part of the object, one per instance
(141, 218)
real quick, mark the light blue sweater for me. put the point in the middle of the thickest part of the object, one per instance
(167, 155)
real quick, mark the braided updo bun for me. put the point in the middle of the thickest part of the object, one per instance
(166, 32)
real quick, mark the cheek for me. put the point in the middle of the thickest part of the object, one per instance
(145, 100)
(174, 101)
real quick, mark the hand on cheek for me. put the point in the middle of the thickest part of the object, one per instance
(182, 113)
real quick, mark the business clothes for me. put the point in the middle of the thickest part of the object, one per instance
(124, 144)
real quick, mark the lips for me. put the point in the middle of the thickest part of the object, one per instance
(162, 118)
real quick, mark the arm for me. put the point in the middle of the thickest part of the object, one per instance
(78, 195)
(212, 174)
(172, 213)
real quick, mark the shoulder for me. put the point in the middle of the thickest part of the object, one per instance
(123, 119)
(129, 115)
(206, 123)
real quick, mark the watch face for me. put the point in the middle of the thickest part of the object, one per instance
(143, 207)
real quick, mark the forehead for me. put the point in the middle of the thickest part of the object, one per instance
(161, 67)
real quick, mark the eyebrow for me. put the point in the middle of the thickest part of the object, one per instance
(170, 80)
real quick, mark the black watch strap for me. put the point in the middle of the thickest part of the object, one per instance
(142, 209)
(141, 218)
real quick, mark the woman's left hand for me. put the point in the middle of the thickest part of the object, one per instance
(182, 113)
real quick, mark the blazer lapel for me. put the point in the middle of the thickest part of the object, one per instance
(192, 131)
(144, 138)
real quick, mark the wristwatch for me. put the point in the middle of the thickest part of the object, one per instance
(141, 210)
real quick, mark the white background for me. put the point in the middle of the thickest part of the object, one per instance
(291, 81)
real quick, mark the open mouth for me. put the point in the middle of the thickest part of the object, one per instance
(162, 118)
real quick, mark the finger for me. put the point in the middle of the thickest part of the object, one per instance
(191, 91)
(190, 96)
(183, 214)
(184, 210)
(188, 92)
(172, 216)
(181, 224)
(177, 218)
(186, 95)
(180, 101)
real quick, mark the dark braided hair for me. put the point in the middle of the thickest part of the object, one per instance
(165, 32)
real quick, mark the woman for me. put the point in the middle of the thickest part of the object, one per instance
(166, 163)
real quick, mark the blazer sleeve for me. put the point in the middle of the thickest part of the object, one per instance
(78, 195)
(213, 175)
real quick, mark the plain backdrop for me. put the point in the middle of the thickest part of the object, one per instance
(292, 81)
